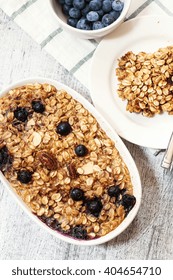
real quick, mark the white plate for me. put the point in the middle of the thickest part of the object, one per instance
(140, 34)
(119, 145)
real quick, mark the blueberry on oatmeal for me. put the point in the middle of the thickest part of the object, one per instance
(5, 158)
(38, 106)
(128, 201)
(77, 194)
(81, 150)
(53, 223)
(63, 128)
(21, 114)
(49, 221)
(114, 191)
(79, 232)
(24, 176)
(94, 206)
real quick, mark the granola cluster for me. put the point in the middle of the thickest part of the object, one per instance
(61, 163)
(146, 81)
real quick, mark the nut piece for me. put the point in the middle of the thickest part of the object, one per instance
(47, 160)
(88, 168)
(36, 139)
(72, 170)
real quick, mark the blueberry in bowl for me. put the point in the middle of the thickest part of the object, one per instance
(89, 18)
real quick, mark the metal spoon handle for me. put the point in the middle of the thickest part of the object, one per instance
(168, 156)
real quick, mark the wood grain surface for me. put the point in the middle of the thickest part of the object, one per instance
(150, 236)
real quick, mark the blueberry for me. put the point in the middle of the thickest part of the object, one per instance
(63, 128)
(81, 150)
(114, 191)
(77, 194)
(72, 21)
(117, 5)
(83, 24)
(94, 206)
(53, 223)
(50, 221)
(115, 14)
(5, 157)
(95, 5)
(107, 6)
(85, 10)
(42, 218)
(21, 114)
(74, 13)
(97, 25)
(66, 9)
(69, 2)
(79, 4)
(38, 106)
(128, 201)
(100, 13)
(24, 176)
(107, 19)
(92, 16)
(56, 225)
(79, 232)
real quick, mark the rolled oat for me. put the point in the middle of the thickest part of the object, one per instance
(146, 81)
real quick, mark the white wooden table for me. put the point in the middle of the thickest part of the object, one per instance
(150, 236)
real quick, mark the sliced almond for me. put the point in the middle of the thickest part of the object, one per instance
(88, 168)
(36, 139)
(1, 117)
(31, 122)
(96, 168)
(89, 181)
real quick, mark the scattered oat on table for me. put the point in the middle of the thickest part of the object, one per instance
(146, 81)
(61, 163)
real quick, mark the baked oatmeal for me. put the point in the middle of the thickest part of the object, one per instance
(61, 163)
(146, 81)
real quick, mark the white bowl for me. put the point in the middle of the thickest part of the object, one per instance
(86, 34)
(119, 145)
